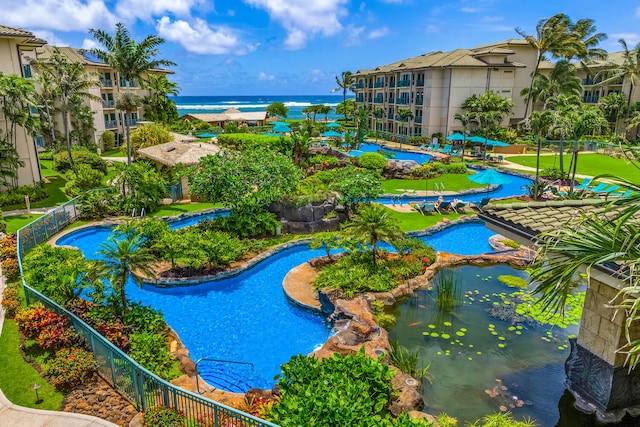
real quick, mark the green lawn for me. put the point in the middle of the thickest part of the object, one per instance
(56, 195)
(17, 376)
(116, 152)
(451, 182)
(46, 166)
(590, 164)
(416, 221)
(16, 222)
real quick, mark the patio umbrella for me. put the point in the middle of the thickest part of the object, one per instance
(457, 137)
(333, 125)
(489, 176)
(279, 124)
(331, 134)
(270, 134)
(495, 143)
(281, 128)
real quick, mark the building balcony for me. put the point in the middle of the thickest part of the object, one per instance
(369, 100)
(106, 82)
(419, 101)
(370, 85)
(26, 71)
(359, 85)
(378, 100)
(417, 119)
(591, 99)
(404, 83)
(132, 83)
(110, 124)
(108, 103)
(391, 116)
(392, 100)
(402, 101)
(420, 83)
(131, 122)
(378, 84)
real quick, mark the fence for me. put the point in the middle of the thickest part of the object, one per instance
(143, 387)
(175, 191)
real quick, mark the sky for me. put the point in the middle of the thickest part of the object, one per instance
(297, 47)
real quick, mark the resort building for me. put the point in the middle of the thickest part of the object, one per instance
(253, 118)
(13, 43)
(106, 116)
(433, 86)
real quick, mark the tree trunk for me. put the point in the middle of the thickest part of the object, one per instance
(561, 148)
(533, 77)
(65, 118)
(537, 183)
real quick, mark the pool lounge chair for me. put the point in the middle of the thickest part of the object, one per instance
(446, 149)
(484, 202)
(598, 188)
(423, 147)
(456, 152)
(426, 208)
(584, 185)
(443, 207)
(460, 207)
(623, 195)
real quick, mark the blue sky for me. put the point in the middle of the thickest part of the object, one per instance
(296, 47)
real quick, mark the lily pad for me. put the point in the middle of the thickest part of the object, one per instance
(435, 334)
(445, 336)
(463, 329)
(460, 333)
(431, 326)
(447, 323)
(500, 345)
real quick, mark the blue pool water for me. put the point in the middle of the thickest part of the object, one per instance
(368, 147)
(248, 318)
(195, 219)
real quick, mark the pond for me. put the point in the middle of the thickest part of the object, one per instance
(481, 364)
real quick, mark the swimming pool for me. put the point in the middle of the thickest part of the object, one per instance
(368, 147)
(247, 318)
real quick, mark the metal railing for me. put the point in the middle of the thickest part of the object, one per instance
(145, 389)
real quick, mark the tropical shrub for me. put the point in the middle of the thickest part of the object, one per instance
(150, 350)
(321, 159)
(373, 161)
(356, 185)
(98, 204)
(162, 416)
(35, 192)
(455, 168)
(11, 299)
(80, 157)
(143, 187)
(244, 224)
(553, 174)
(149, 135)
(47, 328)
(143, 318)
(87, 179)
(9, 257)
(70, 367)
(249, 141)
(108, 140)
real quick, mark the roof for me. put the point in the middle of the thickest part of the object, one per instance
(172, 153)
(45, 53)
(232, 114)
(455, 58)
(27, 36)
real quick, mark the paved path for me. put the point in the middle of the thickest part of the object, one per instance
(18, 416)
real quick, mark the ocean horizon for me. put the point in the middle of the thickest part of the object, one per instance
(248, 103)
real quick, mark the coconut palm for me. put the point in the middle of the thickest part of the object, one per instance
(158, 107)
(614, 106)
(405, 115)
(539, 124)
(554, 36)
(346, 82)
(466, 119)
(46, 99)
(129, 59)
(377, 113)
(121, 259)
(71, 84)
(373, 224)
(628, 71)
(563, 79)
(325, 109)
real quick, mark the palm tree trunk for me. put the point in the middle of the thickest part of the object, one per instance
(536, 183)
(65, 118)
(561, 148)
(533, 77)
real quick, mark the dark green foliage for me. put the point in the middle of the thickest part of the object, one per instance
(162, 416)
(408, 361)
(253, 142)
(16, 197)
(351, 390)
(108, 140)
(143, 318)
(373, 161)
(321, 159)
(278, 109)
(448, 290)
(141, 187)
(99, 204)
(150, 350)
(87, 179)
(553, 174)
(149, 229)
(245, 225)
(61, 161)
(355, 185)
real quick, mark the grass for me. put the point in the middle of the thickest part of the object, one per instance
(56, 195)
(451, 182)
(16, 222)
(590, 164)
(116, 152)
(181, 208)
(46, 166)
(16, 382)
(416, 221)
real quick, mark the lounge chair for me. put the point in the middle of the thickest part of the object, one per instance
(584, 185)
(446, 149)
(432, 146)
(484, 202)
(610, 190)
(459, 207)
(598, 188)
(500, 158)
(456, 152)
(423, 147)
(426, 208)
(443, 207)
(623, 195)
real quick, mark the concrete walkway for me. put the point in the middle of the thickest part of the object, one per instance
(18, 416)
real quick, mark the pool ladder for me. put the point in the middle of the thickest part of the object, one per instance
(209, 359)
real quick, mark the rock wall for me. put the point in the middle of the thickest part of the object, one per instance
(306, 219)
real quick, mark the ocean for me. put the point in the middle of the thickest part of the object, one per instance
(218, 104)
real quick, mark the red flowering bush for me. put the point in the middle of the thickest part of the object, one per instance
(115, 332)
(70, 367)
(11, 299)
(46, 327)
(9, 257)
(163, 416)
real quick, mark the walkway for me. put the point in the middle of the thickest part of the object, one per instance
(19, 416)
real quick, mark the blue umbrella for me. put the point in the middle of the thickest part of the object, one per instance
(489, 176)
(494, 143)
(333, 125)
(331, 134)
(281, 128)
(270, 134)
(457, 137)
(279, 124)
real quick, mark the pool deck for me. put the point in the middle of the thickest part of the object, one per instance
(297, 287)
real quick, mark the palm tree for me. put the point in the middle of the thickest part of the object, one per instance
(373, 224)
(346, 82)
(405, 115)
(563, 79)
(158, 106)
(71, 83)
(377, 112)
(325, 109)
(553, 36)
(585, 30)
(614, 106)
(46, 98)
(121, 259)
(629, 71)
(466, 119)
(129, 59)
(539, 124)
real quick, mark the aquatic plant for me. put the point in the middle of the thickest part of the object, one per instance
(408, 362)
(513, 281)
(448, 290)
(384, 319)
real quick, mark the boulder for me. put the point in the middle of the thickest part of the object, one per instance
(399, 168)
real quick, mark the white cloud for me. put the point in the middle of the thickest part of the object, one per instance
(62, 15)
(50, 37)
(147, 9)
(303, 19)
(198, 37)
(377, 33)
(353, 35)
(631, 38)
(264, 76)
(467, 9)
(90, 44)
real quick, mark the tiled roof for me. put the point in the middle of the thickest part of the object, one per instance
(532, 218)
(44, 53)
(15, 32)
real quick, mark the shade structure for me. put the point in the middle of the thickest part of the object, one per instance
(495, 143)
(279, 123)
(333, 125)
(457, 137)
(281, 128)
(207, 135)
(331, 134)
(489, 176)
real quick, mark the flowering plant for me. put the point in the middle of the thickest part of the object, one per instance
(162, 416)
(71, 367)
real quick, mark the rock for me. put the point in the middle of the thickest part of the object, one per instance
(187, 366)
(258, 395)
(399, 168)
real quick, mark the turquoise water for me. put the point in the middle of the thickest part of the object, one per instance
(248, 318)
(530, 366)
(397, 154)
